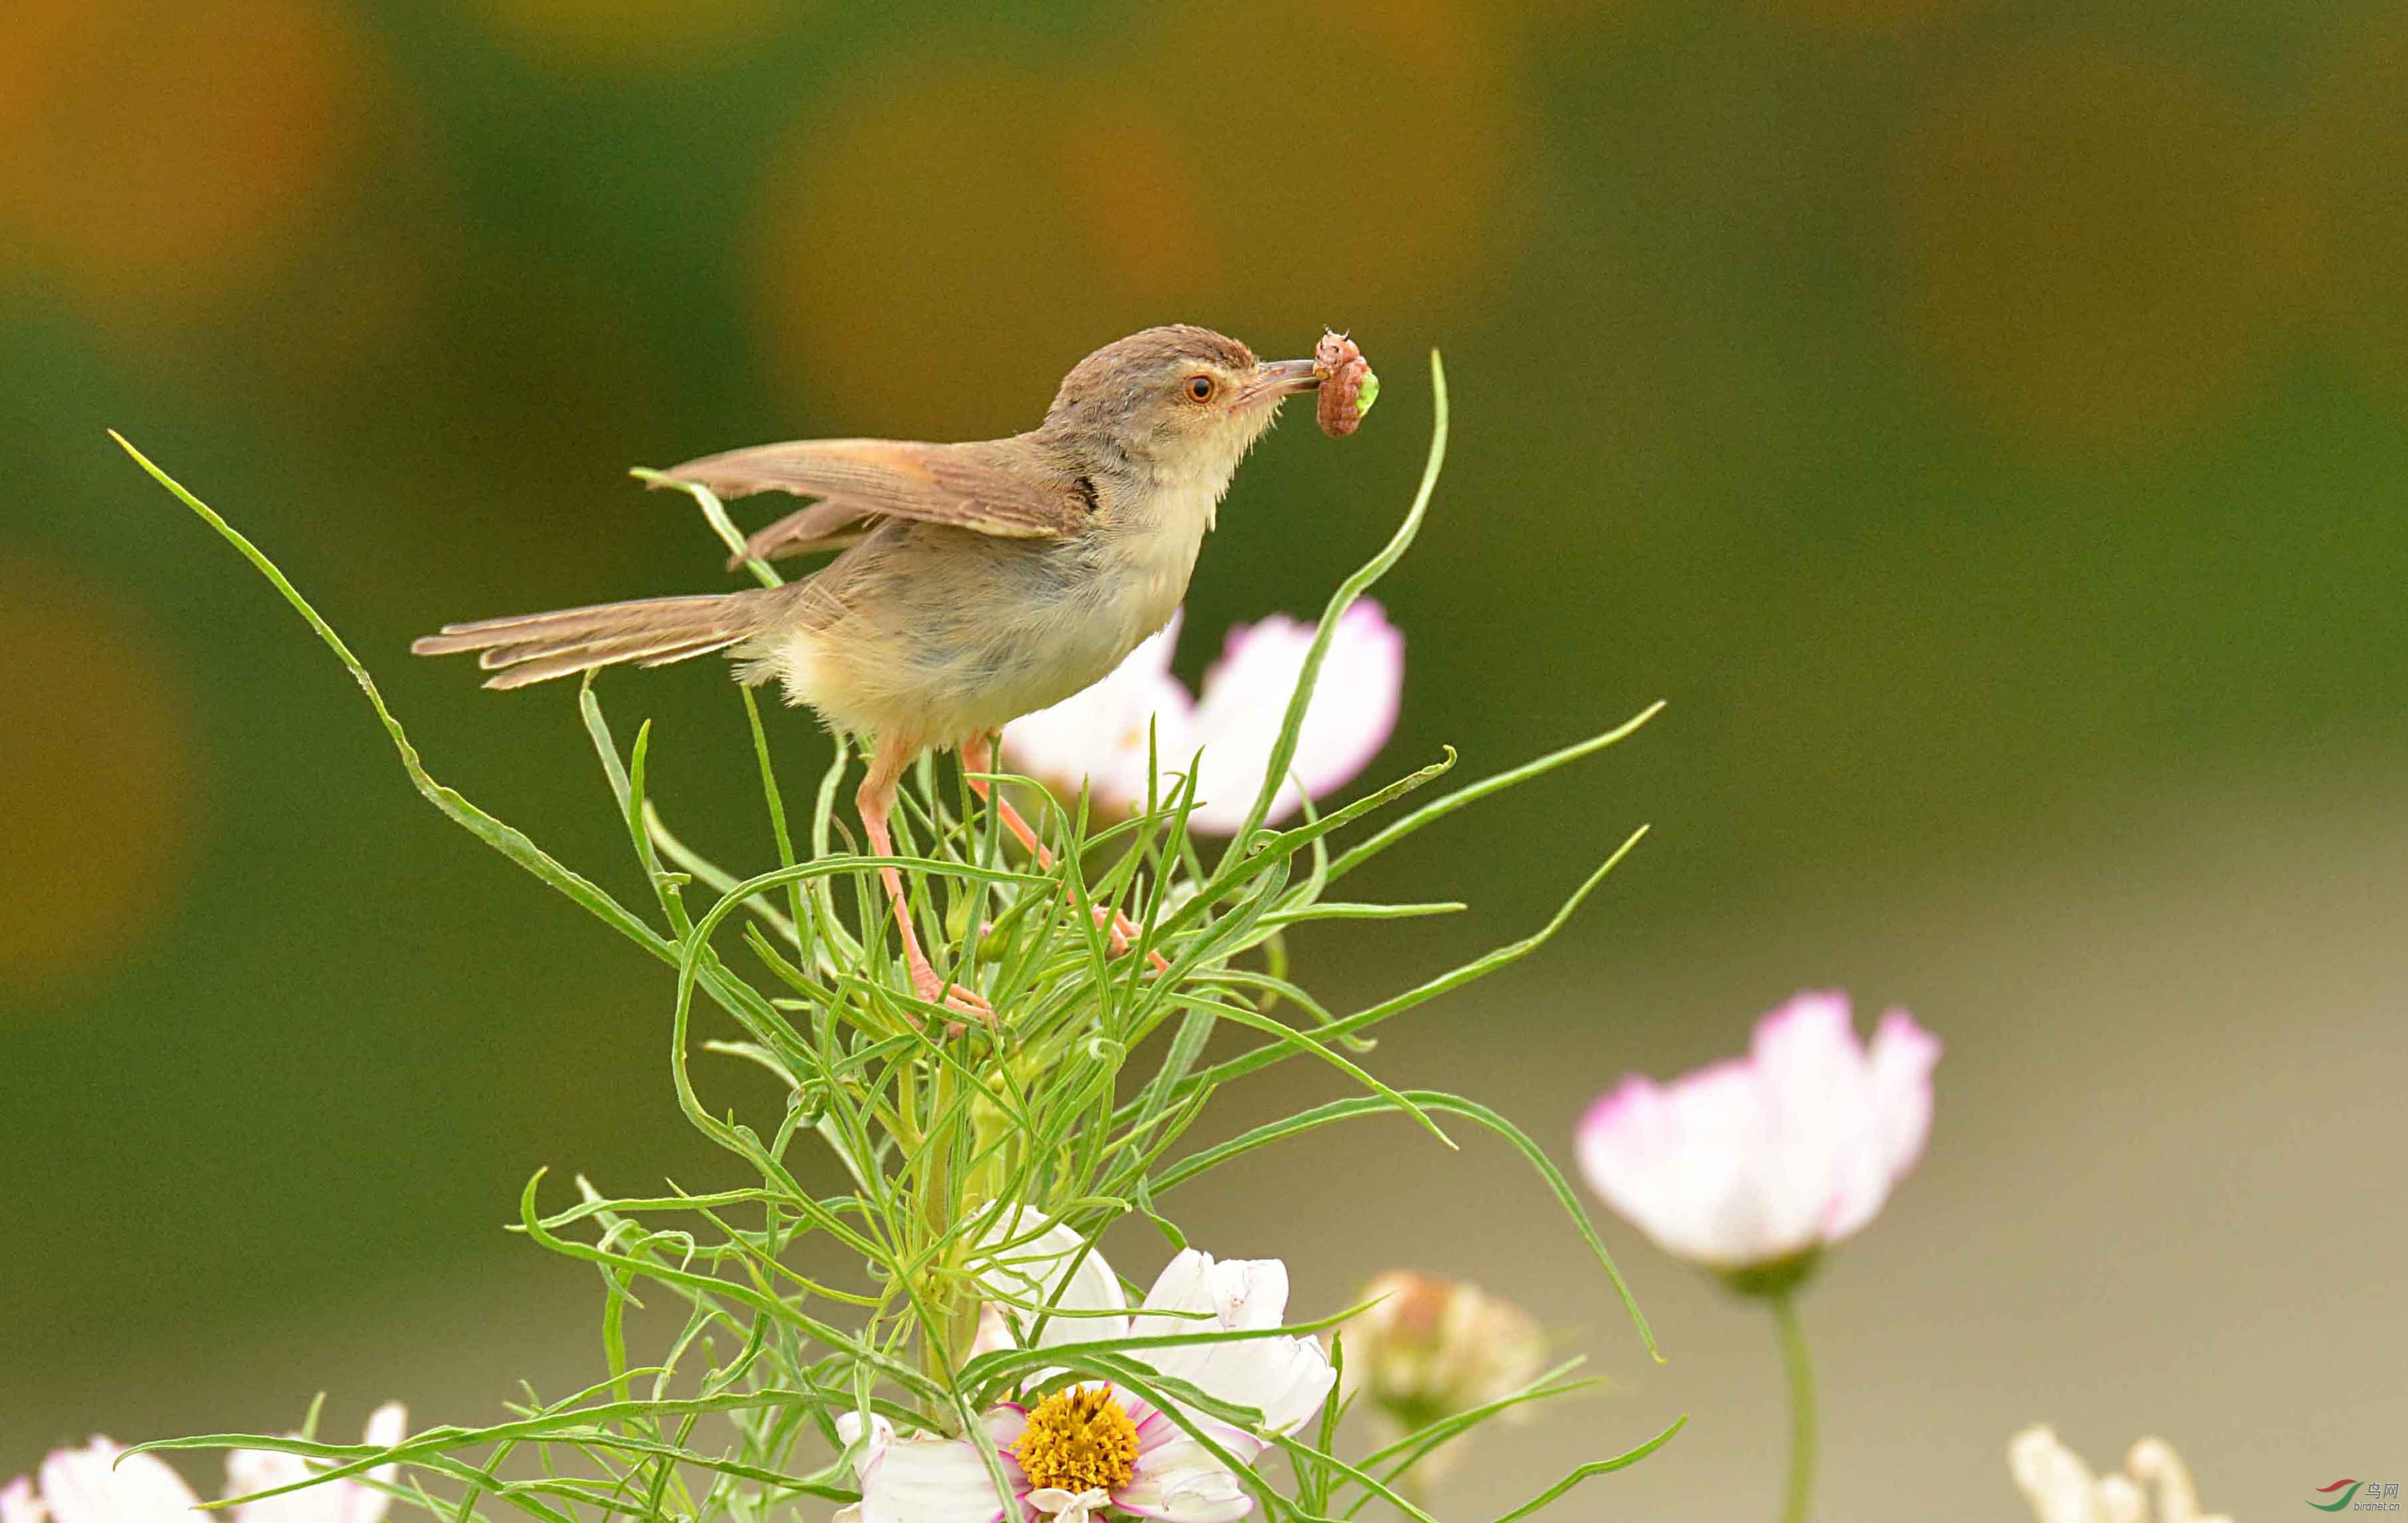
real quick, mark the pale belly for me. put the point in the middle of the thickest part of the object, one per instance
(931, 651)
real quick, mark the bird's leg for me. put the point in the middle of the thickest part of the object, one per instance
(877, 800)
(978, 756)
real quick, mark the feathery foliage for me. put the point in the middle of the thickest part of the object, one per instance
(950, 1146)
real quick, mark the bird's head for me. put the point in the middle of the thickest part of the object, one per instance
(1186, 401)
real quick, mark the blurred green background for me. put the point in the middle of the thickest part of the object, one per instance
(1984, 420)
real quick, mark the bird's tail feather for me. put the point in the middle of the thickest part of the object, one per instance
(652, 631)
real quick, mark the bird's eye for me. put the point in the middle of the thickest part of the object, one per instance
(1202, 387)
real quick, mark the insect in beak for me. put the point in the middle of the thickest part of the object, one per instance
(1276, 378)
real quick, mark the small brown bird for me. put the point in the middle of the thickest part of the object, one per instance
(978, 582)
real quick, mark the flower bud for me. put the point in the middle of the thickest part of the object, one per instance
(1433, 1348)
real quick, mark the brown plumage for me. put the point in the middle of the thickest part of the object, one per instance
(976, 582)
(654, 631)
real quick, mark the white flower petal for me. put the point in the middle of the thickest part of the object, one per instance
(1245, 698)
(249, 1471)
(848, 1430)
(2122, 1500)
(365, 1503)
(1250, 1293)
(1179, 1479)
(1826, 1174)
(18, 1504)
(1794, 1146)
(1197, 1293)
(2152, 1464)
(1685, 1163)
(2053, 1478)
(346, 1500)
(388, 1425)
(1102, 734)
(92, 1485)
(994, 1333)
(2154, 1487)
(1902, 1058)
(1184, 1285)
(1028, 1266)
(1285, 1378)
(1068, 1506)
(933, 1480)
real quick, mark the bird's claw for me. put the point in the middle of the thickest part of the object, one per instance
(1120, 934)
(969, 1002)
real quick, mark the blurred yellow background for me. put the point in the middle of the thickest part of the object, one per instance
(1986, 422)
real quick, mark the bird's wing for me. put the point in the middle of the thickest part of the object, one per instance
(828, 525)
(966, 485)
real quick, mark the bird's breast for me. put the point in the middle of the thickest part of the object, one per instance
(941, 634)
(1109, 593)
(1116, 585)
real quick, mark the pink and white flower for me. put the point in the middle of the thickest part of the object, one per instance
(1129, 1456)
(1100, 735)
(1281, 1376)
(1760, 1159)
(346, 1501)
(101, 1483)
(1085, 1447)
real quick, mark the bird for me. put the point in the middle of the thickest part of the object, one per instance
(975, 582)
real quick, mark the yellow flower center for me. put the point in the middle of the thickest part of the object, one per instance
(1078, 1441)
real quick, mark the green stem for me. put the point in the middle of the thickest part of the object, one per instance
(1802, 1405)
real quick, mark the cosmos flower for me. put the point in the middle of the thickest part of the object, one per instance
(1282, 1377)
(1102, 734)
(346, 1500)
(1431, 1348)
(1070, 1456)
(1759, 1159)
(2155, 1486)
(94, 1485)
(1085, 1447)
(101, 1483)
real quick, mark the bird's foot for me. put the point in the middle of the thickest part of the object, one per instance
(953, 997)
(1120, 934)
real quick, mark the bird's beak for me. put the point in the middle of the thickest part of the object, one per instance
(1277, 378)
